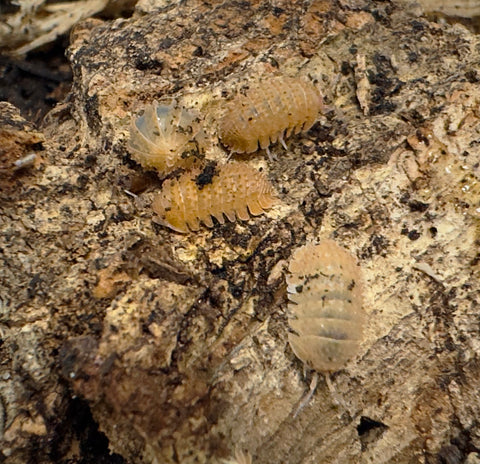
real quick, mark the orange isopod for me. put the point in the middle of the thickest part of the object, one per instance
(198, 195)
(268, 111)
(325, 293)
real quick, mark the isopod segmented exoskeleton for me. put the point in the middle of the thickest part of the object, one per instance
(326, 317)
(232, 190)
(325, 291)
(268, 111)
(161, 136)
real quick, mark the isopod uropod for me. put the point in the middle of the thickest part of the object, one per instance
(325, 293)
(163, 134)
(240, 458)
(196, 196)
(267, 112)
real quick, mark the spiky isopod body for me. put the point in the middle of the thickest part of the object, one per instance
(162, 134)
(233, 190)
(268, 111)
(324, 288)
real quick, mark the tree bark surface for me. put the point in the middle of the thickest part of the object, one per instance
(178, 342)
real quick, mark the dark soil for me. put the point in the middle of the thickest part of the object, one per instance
(36, 83)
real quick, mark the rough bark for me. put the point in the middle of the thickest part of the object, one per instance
(178, 343)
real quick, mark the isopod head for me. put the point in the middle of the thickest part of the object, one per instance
(163, 134)
(325, 293)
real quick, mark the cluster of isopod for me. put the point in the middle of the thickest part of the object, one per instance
(266, 112)
(324, 285)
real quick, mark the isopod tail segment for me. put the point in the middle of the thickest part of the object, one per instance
(311, 391)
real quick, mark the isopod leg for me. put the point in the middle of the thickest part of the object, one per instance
(24, 162)
(284, 145)
(308, 396)
(270, 156)
(337, 401)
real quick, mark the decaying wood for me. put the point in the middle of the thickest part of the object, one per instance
(179, 345)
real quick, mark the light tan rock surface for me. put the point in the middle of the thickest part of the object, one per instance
(178, 343)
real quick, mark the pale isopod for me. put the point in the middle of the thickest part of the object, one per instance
(163, 134)
(325, 293)
(268, 111)
(231, 190)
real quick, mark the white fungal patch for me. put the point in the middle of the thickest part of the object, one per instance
(325, 294)
(161, 136)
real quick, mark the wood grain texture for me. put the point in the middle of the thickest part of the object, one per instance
(188, 359)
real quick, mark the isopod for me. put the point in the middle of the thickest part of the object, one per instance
(231, 190)
(267, 112)
(325, 293)
(161, 136)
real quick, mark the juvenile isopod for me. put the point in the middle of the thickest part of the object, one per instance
(325, 293)
(232, 190)
(268, 111)
(161, 136)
